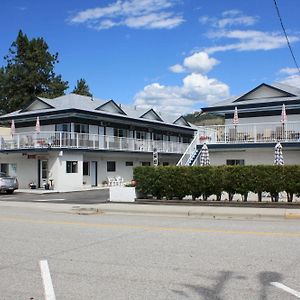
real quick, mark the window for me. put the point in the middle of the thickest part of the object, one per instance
(121, 132)
(86, 168)
(234, 162)
(165, 163)
(81, 128)
(66, 127)
(157, 136)
(72, 166)
(111, 166)
(129, 163)
(9, 169)
(141, 135)
(146, 163)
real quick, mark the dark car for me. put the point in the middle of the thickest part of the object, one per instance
(8, 184)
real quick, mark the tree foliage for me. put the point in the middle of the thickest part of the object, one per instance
(29, 72)
(82, 88)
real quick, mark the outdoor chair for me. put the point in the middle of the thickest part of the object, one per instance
(111, 181)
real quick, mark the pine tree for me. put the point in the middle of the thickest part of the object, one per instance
(29, 73)
(82, 88)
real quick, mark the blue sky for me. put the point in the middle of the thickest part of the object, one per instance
(173, 55)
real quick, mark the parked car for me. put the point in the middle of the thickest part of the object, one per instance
(8, 184)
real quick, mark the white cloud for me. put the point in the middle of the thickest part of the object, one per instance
(195, 91)
(177, 68)
(148, 14)
(289, 71)
(229, 18)
(293, 80)
(250, 40)
(198, 62)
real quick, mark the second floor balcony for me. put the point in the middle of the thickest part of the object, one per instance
(250, 133)
(65, 140)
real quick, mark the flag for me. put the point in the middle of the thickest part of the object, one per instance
(37, 125)
(235, 119)
(12, 127)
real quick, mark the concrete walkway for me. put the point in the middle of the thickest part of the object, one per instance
(41, 191)
(199, 211)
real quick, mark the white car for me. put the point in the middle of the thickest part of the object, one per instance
(8, 184)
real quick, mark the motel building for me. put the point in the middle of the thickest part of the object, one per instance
(254, 123)
(73, 142)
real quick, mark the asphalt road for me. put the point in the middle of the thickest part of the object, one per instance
(140, 257)
(84, 197)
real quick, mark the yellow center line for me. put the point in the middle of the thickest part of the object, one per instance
(151, 228)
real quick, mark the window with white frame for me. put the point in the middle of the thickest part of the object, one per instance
(72, 166)
(235, 162)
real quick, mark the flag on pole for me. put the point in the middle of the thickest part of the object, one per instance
(283, 115)
(235, 120)
(37, 125)
(12, 127)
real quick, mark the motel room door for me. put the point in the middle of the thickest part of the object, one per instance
(94, 174)
(43, 172)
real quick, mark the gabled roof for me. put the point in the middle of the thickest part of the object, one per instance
(38, 104)
(151, 115)
(182, 121)
(104, 108)
(264, 99)
(112, 107)
(264, 91)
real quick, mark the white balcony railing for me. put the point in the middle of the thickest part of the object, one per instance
(250, 133)
(32, 140)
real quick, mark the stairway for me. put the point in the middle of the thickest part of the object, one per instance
(193, 157)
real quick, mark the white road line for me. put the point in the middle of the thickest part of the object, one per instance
(47, 200)
(286, 288)
(47, 282)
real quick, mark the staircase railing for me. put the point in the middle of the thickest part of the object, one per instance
(189, 150)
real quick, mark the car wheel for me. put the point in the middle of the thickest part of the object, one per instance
(9, 192)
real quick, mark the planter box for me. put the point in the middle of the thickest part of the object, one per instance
(122, 194)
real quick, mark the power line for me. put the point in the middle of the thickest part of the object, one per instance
(286, 37)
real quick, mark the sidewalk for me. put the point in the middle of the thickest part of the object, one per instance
(198, 211)
(41, 191)
(163, 210)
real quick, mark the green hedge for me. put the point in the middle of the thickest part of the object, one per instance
(177, 182)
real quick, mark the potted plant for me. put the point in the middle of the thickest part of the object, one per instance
(32, 185)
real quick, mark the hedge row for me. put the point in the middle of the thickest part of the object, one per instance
(173, 181)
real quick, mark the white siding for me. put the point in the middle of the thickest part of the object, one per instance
(256, 156)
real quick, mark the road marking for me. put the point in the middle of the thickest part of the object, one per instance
(152, 228)
(47, 282)
(286, 289)
(47, 200)
(292, 216)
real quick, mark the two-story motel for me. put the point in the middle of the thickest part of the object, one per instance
(76, 141)
(250, 140)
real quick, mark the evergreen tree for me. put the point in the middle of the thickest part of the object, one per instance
(82, 88)
(29, 73)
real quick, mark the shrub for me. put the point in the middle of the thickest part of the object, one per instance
(173, 181)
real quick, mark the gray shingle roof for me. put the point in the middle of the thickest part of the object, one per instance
(284, 87)
(74, 101)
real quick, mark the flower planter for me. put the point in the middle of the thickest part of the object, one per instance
(122, 194)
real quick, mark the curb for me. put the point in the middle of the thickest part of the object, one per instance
(211, 212)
